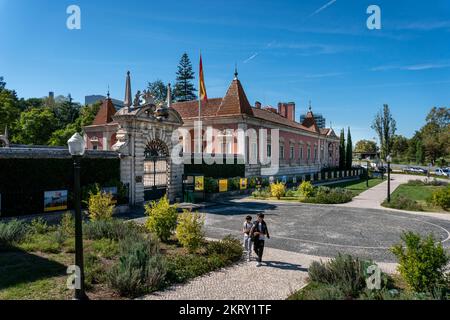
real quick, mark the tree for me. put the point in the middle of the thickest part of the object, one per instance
(66, 112)
(184, 88)
(35, 126)
(400, 145)
(342, 150)
(385, 126)
(366, 146)
(86, 117)
(159, 90)
(349, 151)
(420, 156)
(9, 110)
(436, 134)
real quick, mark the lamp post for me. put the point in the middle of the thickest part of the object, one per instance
(77, 148)
(367, 172)
(388, 160)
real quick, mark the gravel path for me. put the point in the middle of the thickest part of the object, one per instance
(282, 273)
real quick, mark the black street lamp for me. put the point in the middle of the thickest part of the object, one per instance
(367, 172)
(388, 160)
(77, 148)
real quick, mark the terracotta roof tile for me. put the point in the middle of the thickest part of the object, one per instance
(105, 114)
(189, 109)
(235, 101)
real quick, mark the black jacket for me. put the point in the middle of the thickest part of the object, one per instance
(254, 229)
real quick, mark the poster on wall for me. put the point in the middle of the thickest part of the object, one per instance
(199, 183)
(243, 183)
(113, 191)
(223, 185)
(55, 200)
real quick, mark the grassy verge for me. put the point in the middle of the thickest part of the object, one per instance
(358, 186)
(414, 197)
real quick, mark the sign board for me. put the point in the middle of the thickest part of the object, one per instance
(55, 200)
(243, 183)
(199, 183)
(223, 185)
(113, 191)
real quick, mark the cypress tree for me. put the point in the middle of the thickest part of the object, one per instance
(184, 88)
(349, 151)
(342, 151)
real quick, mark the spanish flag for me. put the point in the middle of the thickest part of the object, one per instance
(202, 91)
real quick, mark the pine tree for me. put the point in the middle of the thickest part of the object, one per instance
(184, 88)
(349, 151)
(342, 151)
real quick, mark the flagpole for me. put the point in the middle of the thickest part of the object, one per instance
(200, 104)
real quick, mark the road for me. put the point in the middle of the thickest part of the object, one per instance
(325, 231)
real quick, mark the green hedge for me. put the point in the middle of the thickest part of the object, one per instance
(24, 181)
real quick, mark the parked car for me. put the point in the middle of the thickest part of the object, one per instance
(442, 172)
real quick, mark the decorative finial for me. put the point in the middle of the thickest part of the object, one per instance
(235, 72)
(128, 73)
(108, 93)
(310, 107)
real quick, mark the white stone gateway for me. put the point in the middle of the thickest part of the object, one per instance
(144, 144)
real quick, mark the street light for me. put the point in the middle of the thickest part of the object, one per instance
(77, 147)
(367, 172)
(388, 160)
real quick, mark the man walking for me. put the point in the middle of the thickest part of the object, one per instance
(259, 233)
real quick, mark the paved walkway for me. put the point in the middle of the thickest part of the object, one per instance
(282, 274)
(374, 197)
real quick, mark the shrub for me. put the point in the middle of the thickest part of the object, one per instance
(229, 247)
(344, 272)
(422, 262)
(67, 224)
(189, 230)
(332, 196)
(306, 189)
(162, 218)
(403, 203)
(319, 291)
(39, 226)
(110, 229)
(48, 243)
(100, 205)
(95, 271)
(234, 183)
(182, 267)
(211, 185)
(278, 190)
(12, 232)
(290, 193)
(140, 269)
(441, 198)
(105, 248)
(262, 193)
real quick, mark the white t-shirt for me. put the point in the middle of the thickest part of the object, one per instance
(261, 236)
(247, 225)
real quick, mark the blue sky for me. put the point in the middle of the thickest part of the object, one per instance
(319, 50)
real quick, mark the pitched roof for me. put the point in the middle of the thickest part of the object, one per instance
(310, 122)
(267, 114)
(189, 109)
(105, 113)
(235, 101)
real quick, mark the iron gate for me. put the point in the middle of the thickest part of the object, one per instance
(155, 170)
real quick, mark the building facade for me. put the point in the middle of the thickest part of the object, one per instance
(230, 126)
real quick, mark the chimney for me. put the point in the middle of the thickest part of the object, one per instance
(169, 96)
(290, 112)
(258, 105)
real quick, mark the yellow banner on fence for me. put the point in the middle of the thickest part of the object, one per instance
(223, 185)
(199, 183)
(243, 183)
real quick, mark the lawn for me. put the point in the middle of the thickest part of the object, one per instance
(33, 265)
(358, 186)
(414, 197)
